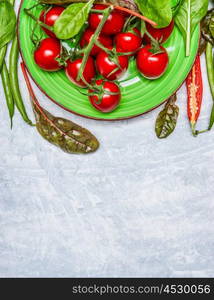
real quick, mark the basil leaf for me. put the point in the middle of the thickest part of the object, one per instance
(189, 15)
(7, 22)
(167, 118)
(158, 11)
(71, 20)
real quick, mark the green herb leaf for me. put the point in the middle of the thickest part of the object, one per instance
(7, 22)
(189, 15)
(167, 118)
(72, 19)
(158, 11)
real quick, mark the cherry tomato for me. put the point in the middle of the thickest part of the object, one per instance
(103, 39)
(160, 34)
(128, 41)
(49, 17)
(152, 65)
(108, 68)
(108, 102)
(72, 70)
(114, 23)
(47, 53)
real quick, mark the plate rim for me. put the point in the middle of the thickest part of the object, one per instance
(70, 110)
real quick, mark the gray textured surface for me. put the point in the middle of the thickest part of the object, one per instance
(138, 207)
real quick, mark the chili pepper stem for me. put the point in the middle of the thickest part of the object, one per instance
(202, 131)
(193, 125)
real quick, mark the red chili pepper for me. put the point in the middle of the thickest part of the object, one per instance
(194, 85)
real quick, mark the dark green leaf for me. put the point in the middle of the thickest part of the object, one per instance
(202, 45)
(167, 118)
(207, 25)
(211, 27)
(189, 15)
(158, 11)
(72, 19)
(70, 137)
(7, 22)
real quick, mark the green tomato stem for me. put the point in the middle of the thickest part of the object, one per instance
(37, 20)
(127, 23)
(98, 11)
(151, 37)
(102, 47)
(88, 49)
(110, 52)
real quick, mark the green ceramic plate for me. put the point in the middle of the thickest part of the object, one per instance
(139, 95)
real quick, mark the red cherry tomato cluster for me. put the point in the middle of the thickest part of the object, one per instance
(109, 57)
